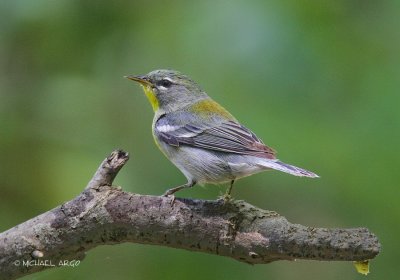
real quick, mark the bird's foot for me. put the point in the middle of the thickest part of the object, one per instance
(226, 198)
(170, 196)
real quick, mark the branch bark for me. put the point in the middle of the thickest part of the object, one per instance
(103, 214)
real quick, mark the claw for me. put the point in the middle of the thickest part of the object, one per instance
(172, 198)
(227, 198)
(169, 194)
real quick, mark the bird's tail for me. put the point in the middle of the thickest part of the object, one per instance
(287, 168)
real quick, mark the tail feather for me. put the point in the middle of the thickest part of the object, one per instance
(287, 168)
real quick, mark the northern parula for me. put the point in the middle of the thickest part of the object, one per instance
(200, 137)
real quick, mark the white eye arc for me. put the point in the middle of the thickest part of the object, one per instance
(164, 83)
(168, 79)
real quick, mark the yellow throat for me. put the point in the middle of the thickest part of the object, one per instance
(151, 96)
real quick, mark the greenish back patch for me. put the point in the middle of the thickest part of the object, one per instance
(208, 107)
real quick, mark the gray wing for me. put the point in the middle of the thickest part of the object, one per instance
(223, 135)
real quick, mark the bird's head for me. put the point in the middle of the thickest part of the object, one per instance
(169, 90)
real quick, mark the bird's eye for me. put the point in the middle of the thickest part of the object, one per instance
(165, 83)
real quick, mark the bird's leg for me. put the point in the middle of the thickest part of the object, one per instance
(229, 190)
(178, 188)
(227, 197)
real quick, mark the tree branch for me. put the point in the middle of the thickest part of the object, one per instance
(103, 214)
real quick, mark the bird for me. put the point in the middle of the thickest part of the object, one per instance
(201, 138)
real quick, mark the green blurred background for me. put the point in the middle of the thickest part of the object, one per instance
(317, 80)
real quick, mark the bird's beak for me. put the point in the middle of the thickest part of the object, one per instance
(143, 80)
